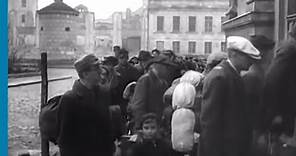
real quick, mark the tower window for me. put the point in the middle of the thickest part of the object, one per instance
(24, 3)
(23, 18)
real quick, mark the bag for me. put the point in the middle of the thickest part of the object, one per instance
(48, 119)
(183, 122)
(183, 119)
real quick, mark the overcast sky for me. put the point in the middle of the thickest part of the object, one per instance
(102, 8)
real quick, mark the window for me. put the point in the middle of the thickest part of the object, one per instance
(208, 47)
(160, 45)
(192, 23)
(67, 29)
(223, 46)
(176, 23)
(24, 3)
(208, 23)
(191, 47)
(23, 18)
(160, 22)
(176, 46)
(41, 29)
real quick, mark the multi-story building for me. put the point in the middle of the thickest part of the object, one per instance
(103, 37)
(188, 27)
(86, 22)
(127, 30)
(21, 22)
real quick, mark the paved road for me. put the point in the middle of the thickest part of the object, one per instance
(23, 109)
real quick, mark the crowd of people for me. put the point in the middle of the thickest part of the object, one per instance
(239, 103)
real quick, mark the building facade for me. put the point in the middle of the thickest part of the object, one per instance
(127, 30)
(86, 22)
(103, 37)
(117, 29)
(188, 27)
(64, 32)
(21, 22)
(271, 18)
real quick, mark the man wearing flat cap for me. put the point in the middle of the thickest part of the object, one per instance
(84, 126)
(279, 90)
(224, 123)
(144, 57)
(151, 87)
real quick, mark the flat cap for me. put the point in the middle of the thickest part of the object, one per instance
(86, 62)
(243, 45)
(161, 60)
(144, 55)
(112, 60)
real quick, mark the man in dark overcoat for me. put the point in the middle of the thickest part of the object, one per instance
(128, 74)
(254, 81)
(279, 90)
(150, 89)
(84, 125)
(224, 128)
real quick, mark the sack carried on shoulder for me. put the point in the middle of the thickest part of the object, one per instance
(183, 122)
(48, 119)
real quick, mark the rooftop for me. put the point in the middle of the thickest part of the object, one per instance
(58, 7)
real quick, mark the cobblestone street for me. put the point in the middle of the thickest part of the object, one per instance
(24, 105)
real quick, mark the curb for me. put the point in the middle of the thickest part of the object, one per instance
(24, 83)
(24, 74)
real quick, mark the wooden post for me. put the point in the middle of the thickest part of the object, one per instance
(44, 80)
(44, 94)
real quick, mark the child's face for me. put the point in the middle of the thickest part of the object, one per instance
(149, 130)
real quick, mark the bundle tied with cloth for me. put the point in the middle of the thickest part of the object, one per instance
(183, 119)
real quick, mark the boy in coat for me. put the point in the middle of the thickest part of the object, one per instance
(148, 142)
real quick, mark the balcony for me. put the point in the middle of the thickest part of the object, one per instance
(253, 17)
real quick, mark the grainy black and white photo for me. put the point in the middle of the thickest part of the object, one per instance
(151, 77)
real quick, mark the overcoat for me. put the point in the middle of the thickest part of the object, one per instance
(224, 128)
(84, 127)
(148, 96)
(128, 74)
(280, 86)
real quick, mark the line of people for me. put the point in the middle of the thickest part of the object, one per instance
(243, 101)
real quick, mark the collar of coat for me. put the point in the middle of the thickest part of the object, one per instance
(80, 89)
(226, 66)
